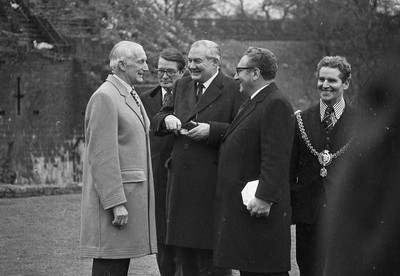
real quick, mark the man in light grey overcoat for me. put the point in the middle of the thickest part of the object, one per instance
(117, 221)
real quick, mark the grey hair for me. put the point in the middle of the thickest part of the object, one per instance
(123, 51)
(213, 50)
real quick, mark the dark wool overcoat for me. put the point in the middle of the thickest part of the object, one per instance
(161, 148)
(257, 146)
(193, 164)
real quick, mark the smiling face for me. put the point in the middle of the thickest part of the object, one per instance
(330, 85)
(135, 68)
(245, 77)
(201, 68)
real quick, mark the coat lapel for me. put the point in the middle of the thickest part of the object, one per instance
(250, 107)
(190, 92)
(157, 103)
(129, 99)
(213, 91)
(315, 131)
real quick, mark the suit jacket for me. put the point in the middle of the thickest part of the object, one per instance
(117, 170)
(193, 164)
(257, 146)
(161, 148)
(310, 191)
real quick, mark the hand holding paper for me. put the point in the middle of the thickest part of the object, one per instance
(257, 207)
(249, 191)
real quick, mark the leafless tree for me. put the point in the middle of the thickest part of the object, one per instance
(184, 9)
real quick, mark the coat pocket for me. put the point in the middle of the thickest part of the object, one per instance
(133, 176)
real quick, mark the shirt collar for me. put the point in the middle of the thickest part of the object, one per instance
(208, 82)
(258, 91)
(163, 91)
(337, 107)
(127, 86)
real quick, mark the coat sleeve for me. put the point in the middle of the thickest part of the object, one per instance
(277, 127)
(103, 157)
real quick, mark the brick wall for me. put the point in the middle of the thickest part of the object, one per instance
(42, 144)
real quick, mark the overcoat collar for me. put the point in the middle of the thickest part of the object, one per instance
(129, 99)
(210, 95)
(156, 104)
(250, 107)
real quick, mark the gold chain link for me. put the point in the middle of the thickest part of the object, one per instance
(308, 143)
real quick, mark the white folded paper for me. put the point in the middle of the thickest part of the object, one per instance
(249, 191)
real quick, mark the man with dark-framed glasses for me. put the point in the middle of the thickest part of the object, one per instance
(170, 67)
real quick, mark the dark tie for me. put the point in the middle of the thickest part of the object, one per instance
(199, 91)
(327, 121)
(243, 105)
(166, 98)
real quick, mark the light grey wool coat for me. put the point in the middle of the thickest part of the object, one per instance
(117, 170)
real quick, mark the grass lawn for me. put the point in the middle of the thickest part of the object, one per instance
(40, 236)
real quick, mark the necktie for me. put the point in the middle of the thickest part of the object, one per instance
(199, 91)
(328, 120)
(166, 98)
(137, 99)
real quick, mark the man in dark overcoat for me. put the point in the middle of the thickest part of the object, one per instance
(323, 135)
(170, 67)
(255, 239)
(203, 106)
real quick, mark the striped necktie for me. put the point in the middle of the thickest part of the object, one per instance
(137, 99)
(166, 98)
(328, 120)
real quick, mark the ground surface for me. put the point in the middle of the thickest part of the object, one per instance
(40, 236)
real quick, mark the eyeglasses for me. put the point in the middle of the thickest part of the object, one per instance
(240, 69)
(169, 72)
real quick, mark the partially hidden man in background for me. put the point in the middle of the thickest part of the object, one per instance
(170, 67)
(255, 239)
(203, 106)
(323, 134)
(117, 218)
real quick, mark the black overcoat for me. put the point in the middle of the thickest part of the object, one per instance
(193, 164)
(161, 148)
(257, 146)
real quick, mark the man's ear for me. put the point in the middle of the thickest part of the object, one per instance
(346, 84)
(257, 74)
(122, 65)
(215, 62)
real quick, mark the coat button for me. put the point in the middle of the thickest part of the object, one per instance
(185, 146)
